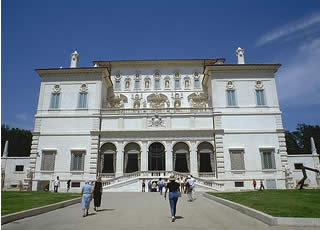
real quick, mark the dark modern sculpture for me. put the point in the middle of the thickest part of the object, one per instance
(303, 168)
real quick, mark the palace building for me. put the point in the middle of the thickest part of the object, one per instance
(145, 119)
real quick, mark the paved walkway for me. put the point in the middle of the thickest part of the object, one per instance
(141, 211)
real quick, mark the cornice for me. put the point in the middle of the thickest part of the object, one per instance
(159, 62)
(55, 71)
(272, 68)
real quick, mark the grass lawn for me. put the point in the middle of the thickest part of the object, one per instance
(18, 201)
(281, 203)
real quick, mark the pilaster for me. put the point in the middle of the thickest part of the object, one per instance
(144, 156)
(120, 156)
(193, 159)
(169, 159)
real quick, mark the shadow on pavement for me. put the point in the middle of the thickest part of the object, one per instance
(179, 217)
(106, 209)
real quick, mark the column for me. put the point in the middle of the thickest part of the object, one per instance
(169, 159)
(193, 159)
(144, 156)
(119, 163)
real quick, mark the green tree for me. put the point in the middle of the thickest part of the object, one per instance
(19, 141)
(299, 141)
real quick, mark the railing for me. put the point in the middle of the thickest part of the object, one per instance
(152, 111)
(162, 174)
(206, 175)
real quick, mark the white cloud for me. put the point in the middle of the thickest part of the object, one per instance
(301, 26)
(298, 80)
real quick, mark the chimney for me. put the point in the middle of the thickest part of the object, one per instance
(74, 59)
(240, 54)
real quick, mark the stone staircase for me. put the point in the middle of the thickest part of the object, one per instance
(133, 181)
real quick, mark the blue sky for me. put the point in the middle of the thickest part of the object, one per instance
(43, 34)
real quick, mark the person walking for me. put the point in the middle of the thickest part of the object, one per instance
(154, 186)
(174, 193)
(261, 185)
(160, 185)
(149, 186)
(56, 184)
(254, 182)
(190, 188)
(97, 193)
(68, 185)
(86, 193)
(143, 186)
(182, 184)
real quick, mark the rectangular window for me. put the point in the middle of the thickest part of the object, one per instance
(238, 184)
(48, 160)
(83, 100)
(298, 165)
(260, 97)
(231, 97)
(77, 160)
(268, 161)
(117, 85)
(177, 83)
(137, 84)
(196, 83)
(54, 104)
(237, 159)
(19, 168)
(75, 184)
(157, 84)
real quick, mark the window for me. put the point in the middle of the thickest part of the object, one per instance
(238, 184)
(237, 159)
(48, 160)
(75, 184)
(19, 168)
(196, 83)
(177, 84)
(117, 85)
(260, 97)
(298, 165)
(54, 104)
(268, 161)
(77, 160)
(83, 100)
(157, 83)
(231, 97)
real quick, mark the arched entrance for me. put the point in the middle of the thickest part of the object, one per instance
(108, 158)
(132, 156)
(156, 157)
(181, 157)
(205, 157)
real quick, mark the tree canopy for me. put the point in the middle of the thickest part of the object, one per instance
(19, 141)
(299, 141)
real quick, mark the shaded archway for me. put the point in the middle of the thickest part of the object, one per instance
(205, 157)
(181, 157)
(156, 157)
(108, 158)
(132, 158)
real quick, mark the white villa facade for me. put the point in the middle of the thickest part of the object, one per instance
(144, 119)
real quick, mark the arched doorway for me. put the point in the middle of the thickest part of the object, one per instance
(108, 158)
(205, 157)
(181, 157)
(156, 157)
(132, 158)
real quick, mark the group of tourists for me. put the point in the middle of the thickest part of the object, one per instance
(89, 192)
(175, 187)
